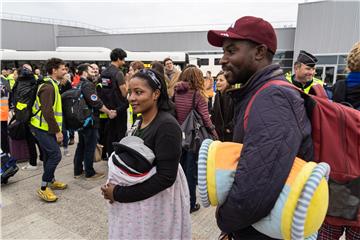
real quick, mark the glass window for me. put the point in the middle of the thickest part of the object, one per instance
(289, 54)
(342, 59)
(217, 61)
(203, 62)
(341, 69)
(327, 59)
(329, 75)
(279, 55)
(284, 55)
(319, 72)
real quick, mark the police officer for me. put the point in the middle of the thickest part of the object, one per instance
(88, 135)
(304, 68)
(113, 94)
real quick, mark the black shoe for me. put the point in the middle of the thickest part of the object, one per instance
(71, 142)
(196, 208)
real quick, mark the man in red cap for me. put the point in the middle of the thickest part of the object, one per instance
(276, 129)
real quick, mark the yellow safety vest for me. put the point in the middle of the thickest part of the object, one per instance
(38, 119)
(288, 76)
(11, 80)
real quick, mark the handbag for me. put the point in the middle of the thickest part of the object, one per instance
(98, 152)
(193, 130)
(17, 129)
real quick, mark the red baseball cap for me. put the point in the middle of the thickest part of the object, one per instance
(246, 28)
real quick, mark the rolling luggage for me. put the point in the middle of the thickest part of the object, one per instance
(19, 150)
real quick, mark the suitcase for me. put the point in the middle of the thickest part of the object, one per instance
(8, 167)
(19, 150)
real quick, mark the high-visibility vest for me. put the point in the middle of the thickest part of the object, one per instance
(38, 119)
(289, 77)
(11, 80)
(102, 115)
(4, 108)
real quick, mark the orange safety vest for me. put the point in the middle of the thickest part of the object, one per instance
(4, 109)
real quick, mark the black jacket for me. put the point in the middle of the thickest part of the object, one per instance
(89, 90)
(344, 94)
(222, 116)
(278, 129)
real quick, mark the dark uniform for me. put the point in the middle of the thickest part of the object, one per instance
(111, 79)
(88, 135)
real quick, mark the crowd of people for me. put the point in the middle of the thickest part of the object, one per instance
(137, 117)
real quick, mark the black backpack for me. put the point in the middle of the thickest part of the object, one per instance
(193, 130)
(24, 90)
(76, 112)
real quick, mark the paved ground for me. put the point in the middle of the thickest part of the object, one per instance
(79, 213)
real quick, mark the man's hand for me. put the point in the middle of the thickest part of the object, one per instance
(59, 137)
(108, 192)
(112, 114)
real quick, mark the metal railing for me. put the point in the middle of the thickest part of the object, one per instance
(125, 30)
(54, 21)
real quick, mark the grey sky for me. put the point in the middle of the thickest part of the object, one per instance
(147, 16)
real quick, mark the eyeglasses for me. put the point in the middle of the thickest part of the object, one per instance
(152, 76)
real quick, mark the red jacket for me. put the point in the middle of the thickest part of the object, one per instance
(75, 81)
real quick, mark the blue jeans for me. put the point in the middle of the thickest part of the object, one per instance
(51, 150)
(188, 163)
(85, 151)
(65, 136)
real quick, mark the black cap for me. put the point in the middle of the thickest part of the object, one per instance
(307, 59)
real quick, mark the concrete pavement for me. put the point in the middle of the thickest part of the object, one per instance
(79, 213)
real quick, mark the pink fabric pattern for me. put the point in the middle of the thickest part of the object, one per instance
(165, 215)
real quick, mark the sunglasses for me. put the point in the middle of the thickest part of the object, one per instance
(152, 76)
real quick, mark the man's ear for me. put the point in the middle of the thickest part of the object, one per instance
(261, 51)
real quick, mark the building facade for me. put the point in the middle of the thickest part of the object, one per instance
(326, 29)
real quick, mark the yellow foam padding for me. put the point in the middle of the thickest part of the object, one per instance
(227, 155)
(210, 173)
(294, 194)
(317, 209)
(295, 169)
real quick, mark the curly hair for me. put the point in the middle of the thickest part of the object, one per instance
(353, 59)
(194, 77)
(137, 65)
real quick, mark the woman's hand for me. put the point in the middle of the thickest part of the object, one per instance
(108, 192)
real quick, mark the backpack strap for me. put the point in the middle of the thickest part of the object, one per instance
(37, 92)
(318, 91)
(266, 85)
(193, 100)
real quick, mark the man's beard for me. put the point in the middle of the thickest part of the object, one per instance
(238, 77)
